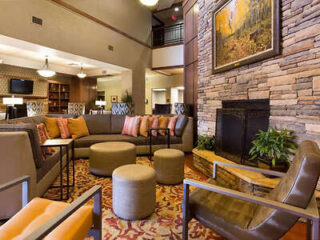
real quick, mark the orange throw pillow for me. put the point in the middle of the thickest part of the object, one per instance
(163, 123)
(52, 127)
(78, 127)
(172, 124)
(63, 127)
(144, 126)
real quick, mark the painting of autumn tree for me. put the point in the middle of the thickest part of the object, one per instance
(243, 29)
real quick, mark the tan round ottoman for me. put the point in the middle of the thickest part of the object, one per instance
(133, 191)
(169, 166)
(106, 157)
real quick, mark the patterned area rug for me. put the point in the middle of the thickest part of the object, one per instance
(165, 223)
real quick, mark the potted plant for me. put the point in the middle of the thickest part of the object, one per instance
(272, 149)
(206, 142)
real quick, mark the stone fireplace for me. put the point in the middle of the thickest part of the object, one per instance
(237, 124)
(291, 80)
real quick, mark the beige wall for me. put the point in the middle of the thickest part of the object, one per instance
(161, 81)
(112, 86)
(70, 32)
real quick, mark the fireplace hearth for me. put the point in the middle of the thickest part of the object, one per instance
(237, 124)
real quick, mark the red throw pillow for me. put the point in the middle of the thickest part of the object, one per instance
(63, 127)
(131, 126)
(172, 124)
(43, 136)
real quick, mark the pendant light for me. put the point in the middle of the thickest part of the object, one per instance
(81, 74)
(45, 71)
(149, 3)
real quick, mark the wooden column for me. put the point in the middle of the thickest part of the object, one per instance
(190, 13)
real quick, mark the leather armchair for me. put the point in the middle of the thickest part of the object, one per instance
(236, 215)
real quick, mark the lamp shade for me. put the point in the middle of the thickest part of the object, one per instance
(100, 103)
(12, 101)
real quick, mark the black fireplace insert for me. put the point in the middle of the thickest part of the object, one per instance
(237, 124)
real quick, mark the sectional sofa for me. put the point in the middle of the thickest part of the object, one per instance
(21, 152)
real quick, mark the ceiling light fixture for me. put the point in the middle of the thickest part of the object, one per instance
(81, 74)
(176, 9)
(45, 71)
(149, 3)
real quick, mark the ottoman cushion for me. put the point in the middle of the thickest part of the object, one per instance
(169, 166)
(134, 191)
(107, 156)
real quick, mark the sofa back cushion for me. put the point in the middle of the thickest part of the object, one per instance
(31, 129)
(117, 122)
(180, 125)
(98, 124)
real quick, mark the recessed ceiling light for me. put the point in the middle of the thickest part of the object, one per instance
(176, 9)
(149, 3)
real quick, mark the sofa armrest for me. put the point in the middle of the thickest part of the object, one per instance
(187, 136)
(25, 181)
(16, 161)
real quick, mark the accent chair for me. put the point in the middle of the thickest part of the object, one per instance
(235, 215)
(76, 108)
(35, 109)
(47, 219)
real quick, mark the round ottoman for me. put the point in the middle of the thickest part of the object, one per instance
(133, 191)
(169, 166)
(107, 156)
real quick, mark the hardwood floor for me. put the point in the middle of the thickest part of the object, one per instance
(297, 232)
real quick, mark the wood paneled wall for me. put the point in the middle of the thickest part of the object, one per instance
(84, 91)
(190, 13)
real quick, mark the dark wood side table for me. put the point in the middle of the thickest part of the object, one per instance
(63, 143)
(150, 142)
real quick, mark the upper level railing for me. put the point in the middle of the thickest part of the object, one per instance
(167, 35)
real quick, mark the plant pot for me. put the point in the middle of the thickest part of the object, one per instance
(279, 167)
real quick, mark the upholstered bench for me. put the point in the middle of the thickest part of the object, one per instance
(106, 157)
(134, 191)
(169, 166)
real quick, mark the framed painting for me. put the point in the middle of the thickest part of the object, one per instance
(244, 32)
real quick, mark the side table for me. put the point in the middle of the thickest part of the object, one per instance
(61, 143)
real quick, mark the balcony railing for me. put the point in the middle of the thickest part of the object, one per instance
(167, 35)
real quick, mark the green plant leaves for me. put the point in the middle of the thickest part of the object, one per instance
(273, 145)
(206, 142)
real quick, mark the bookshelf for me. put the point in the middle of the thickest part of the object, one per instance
(59, 97)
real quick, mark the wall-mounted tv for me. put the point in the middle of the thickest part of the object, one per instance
(20, 86)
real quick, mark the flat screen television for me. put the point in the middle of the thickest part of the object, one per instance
(20, 86)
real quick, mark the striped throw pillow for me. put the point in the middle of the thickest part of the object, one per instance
(63, 127)
(172, 124)
(154, 124)
(131, 126)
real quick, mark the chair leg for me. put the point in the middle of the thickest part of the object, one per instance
(96, 232)
(185, 217)
(315, 229)
(308, 229)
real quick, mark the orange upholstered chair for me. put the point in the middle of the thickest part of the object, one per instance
(52, 220)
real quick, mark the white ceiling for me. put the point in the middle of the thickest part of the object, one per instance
(24, 54)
